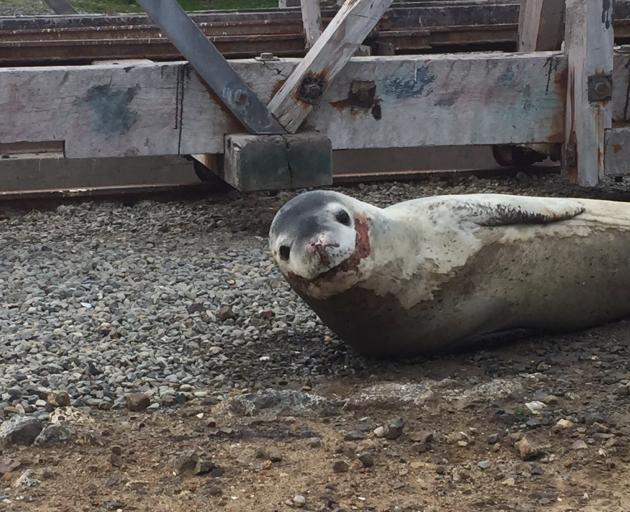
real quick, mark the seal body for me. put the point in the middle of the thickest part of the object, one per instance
(437, 273)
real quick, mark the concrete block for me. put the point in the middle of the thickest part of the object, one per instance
(274, 162)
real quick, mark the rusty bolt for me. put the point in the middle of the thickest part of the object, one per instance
(312, 89)
(240, 97)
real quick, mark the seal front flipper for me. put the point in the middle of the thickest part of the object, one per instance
(506, 210)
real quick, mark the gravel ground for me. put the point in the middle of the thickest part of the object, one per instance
(176, 307)
(103, 299)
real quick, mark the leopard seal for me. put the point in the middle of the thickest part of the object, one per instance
(434, 274)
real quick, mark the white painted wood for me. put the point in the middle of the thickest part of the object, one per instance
(163, 108)
(589, 44)
(541, 25)
(312, 21)
(330, 53)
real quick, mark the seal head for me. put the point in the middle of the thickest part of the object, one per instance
(318, 234)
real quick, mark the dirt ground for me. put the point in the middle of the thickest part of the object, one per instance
(452, 440)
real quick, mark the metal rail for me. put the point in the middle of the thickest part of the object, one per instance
(448, 26)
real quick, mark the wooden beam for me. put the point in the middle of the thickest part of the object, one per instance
(312, 21)
(334, 48)
(541, 25)
(375, 102)
(589, 45)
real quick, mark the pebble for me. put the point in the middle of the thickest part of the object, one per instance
(340, 466)
(528, 450)
(137, 402)
(535, 407)
(484, 464)
(299, 500)
(58, 399)
(367, 459)
(563, 424)
(579, 445)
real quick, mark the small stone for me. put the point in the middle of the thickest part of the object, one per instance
(484, 464)
(510, 482)
(20, 430)
(340, 466)
(137, 402)
(8, 466)
(314, 442)
(579, 445)
(224, 313)
(527, 450)
(563, 424)
(58, 399)
(394, 429)
(299, 500)
(423, 437)
(493, 438)
(380, 431)
(354, 435)
(535, 406)
(367, 459)
(26, 480)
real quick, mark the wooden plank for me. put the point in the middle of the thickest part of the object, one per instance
(312, 21)
(589, 45)
(334, 48)
(375, 102)
(541, 25)
(618, 151)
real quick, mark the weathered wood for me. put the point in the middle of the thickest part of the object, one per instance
(375, 102)
(334, 48)
(618, 151)
(272, 162)
(312, 21)
(541, 25)
(589, 45)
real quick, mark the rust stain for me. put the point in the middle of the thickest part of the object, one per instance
(560, 84)
(341, 105)
(617, 148)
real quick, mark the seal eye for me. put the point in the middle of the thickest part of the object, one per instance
(343, 217)
(285, 252)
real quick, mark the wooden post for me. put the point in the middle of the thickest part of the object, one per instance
(589, 46)
(541, 25)
(337, 44)
(312, 21)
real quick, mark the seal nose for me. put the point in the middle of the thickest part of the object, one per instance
(320, 247)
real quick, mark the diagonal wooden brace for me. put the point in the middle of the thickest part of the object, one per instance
(330, 53)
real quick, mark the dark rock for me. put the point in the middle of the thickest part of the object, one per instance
(19, 430)
(340, 466)
(55, 434)
(354, 435)
(394, 429)
(367, 459)
(137, 402)
(58, 399)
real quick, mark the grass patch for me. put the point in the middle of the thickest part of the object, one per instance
(115, 6)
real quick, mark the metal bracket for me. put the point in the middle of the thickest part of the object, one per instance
(600, 88)
(212, 67)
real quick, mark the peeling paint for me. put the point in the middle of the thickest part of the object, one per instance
(405, 87)
(111, 114)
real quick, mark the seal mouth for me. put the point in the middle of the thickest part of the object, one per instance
(362, 250)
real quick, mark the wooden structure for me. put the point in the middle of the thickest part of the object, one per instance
(545, 97)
